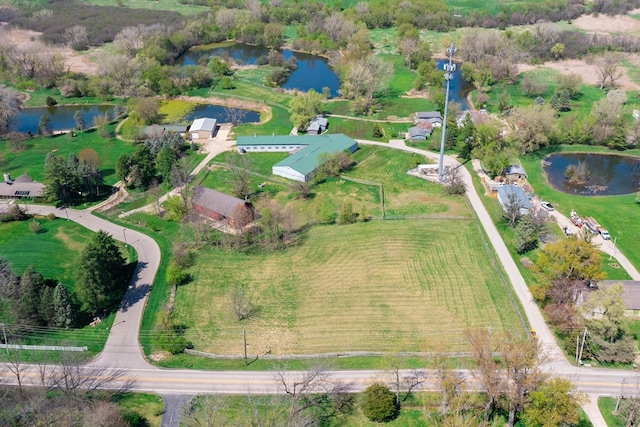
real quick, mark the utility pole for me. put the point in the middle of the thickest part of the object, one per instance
(125, 236)
(620, 397)
(449, 69)
(584, 337)
(244, 336)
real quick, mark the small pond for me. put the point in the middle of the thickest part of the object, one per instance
(609, 174)
(459, 87)
(218, 112)
(313, 72)
(61, 116)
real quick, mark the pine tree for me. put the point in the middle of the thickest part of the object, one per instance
(27, 307)
(79, 118)
(64, 314)
(44, 125)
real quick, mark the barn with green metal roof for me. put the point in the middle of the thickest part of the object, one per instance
(306, 151)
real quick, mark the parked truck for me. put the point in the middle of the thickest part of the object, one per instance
(593, 226)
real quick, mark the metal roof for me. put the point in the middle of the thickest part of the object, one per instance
(418, 131)
(306, 160)
(216, 201)
(505, 190)
(515, 170)
(428, 115)
(206, 124)
(318, 124)
(291, 140)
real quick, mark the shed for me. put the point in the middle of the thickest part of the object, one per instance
(433, 117)
(630, 294)
(515, 171)
(222, 207)
(317, 125)
(203, 128)
(21, 187)
(418, 133)
(301, 164)
(506, 191)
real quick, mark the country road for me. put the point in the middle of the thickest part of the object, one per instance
(123, 352)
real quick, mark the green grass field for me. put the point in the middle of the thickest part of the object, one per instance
(173, 5)
(32, 160)
(150, 406)
(382, 285)
(607, 405)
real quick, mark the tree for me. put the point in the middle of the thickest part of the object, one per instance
(572, 83)
(76, 37)
(512, 209)
(527, 232)
(79, 119)
(560, 101)
(240, 175)
(555, 403)
(145, 109)
(488, 371)
(557, 50)
(233, 115)
(141, 168)
(10, 106)
(495, 152)
(304, 107)
(273, 35)
(606, 307)
(522, 364)
(532, 126)
(100, 274)
(347, 215)
(64, 313)
(608, 69)
(453, 181)
(365, 78)
(242, 305)
(44, 125)
(379, 403)
(27, 307)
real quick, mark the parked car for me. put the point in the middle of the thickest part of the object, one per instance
(604, 233)
(548, 206)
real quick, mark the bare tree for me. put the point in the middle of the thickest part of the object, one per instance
(453, 182)
(240, 175)
(450, 383)
(488, 372)
(10, 106)
(512, 208)
(314, 389)
(242, 305)
(235, 115)
(76, 37)
(129, 40)
(404, 382)
(204, 411)
(608, 69)
(180, 178)
(17, 366)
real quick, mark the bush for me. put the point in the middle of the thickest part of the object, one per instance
(34, 226)
(51, 216)
(50, 101)
(379, 403)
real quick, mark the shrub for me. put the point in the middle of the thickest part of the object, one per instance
(51, 216)
(379, 403)
(50, 101)
(227, 83)
(34, 226)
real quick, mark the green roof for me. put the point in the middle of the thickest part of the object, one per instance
(283, 139)
(307, 159)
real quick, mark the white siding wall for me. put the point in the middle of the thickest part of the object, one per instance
(287, 172)
(267, 148)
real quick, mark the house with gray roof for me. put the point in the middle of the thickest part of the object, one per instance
(515, 172)
(418, 133)
(433, 117)
(317, 126)
(506, 193)
(630, 294)
(156, 131)
(21, 187)
(222, 207)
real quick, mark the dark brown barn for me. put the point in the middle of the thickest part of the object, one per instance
(219, 206)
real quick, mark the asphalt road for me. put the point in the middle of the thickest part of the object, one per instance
(123, 351)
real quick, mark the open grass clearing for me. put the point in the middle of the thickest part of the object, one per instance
(383, 285)
(607, 405)
(32, 160)
(172, 5)
(148, 405)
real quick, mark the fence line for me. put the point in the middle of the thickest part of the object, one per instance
(43, 347)
(367, 182)
(335, 355)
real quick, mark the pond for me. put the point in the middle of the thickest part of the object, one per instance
(61, 116)
(609, 174)
(313, 72)
(218, 112)
(459, 87)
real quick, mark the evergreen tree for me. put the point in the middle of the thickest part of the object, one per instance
(27, 306)
(46, 305)
(44, 125)
(100, 279)
(64, 315)
(79, 119)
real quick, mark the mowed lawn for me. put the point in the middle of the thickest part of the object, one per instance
(381, 286)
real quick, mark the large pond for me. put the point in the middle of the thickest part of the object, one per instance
(313, 72)
(219, 113)
(458, 87)
(61, 116)
(609, 174)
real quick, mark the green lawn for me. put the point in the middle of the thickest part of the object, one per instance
(148, 405)
(52, 252)
(172, 5)
(607, 406)
(619, 214)
(32, 160)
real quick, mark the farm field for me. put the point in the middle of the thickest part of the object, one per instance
(382, 286)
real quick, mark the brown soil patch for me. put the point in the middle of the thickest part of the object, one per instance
(589, 74)
(74, 61)
(607, 24)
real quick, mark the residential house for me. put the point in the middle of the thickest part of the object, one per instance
(156, 131)
(418, 133)
(204, 128)
(222, 207)
(21, 187)
(317, 126)
(433, 117)
(515, 172)
(630, 294)
(508, 192)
